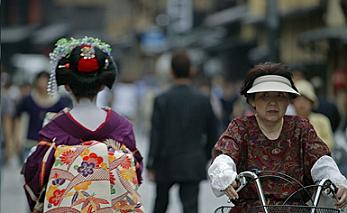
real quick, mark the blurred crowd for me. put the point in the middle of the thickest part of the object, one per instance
(23, 107)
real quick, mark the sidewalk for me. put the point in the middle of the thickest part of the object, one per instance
(12, 193)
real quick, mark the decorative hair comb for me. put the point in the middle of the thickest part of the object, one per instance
(87, 63)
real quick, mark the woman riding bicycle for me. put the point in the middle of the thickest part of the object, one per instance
(269, 140)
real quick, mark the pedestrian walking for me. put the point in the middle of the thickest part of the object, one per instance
(36, 105)
(183, 132)
(304, 105)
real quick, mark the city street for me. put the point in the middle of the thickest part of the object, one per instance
(13, 198)
(267, 74)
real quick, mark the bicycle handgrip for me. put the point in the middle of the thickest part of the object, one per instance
(242, 180)
(328, 184)
(332, 188)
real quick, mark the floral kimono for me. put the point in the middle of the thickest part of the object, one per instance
(64, 141)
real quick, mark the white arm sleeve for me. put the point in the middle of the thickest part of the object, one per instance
(325, 167)
(222, 173)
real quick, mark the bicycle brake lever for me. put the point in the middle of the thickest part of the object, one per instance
(256, 171)
(243, 183)
(330, 188)
(333, 189)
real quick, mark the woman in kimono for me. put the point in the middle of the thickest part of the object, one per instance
(271, 141)
(84, 66)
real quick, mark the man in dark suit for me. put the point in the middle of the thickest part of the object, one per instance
(184, 130)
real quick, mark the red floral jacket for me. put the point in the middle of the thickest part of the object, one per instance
(293, 153)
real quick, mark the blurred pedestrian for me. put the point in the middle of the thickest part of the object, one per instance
(24, 89)
(298, 75)
(204, 84)
(36, 105)
(228, 100)
(340, 149)
(183, 132)
(325, 106)
(304, 105)
(9, 93)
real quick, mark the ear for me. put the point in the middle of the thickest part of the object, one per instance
(251, 102)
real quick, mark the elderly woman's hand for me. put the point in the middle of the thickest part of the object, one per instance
(231, 192)
(341, 196)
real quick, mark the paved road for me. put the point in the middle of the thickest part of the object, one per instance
(14, 201)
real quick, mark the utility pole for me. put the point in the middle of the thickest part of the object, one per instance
(180, 14)
(272, 25)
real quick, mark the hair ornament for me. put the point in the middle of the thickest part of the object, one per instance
(107, 63)
(63, 48)
(87, 52)
(88, 62)
(88, 65)
(66, 66)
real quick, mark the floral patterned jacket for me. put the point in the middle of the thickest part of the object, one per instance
(293, 153)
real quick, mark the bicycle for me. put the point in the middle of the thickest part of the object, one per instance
(244, 178)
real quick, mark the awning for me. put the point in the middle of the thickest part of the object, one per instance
(226, 16)
(15, 34)
(325, 33)
(293, 13)
(50, 33)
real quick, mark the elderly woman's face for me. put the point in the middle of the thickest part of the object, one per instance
(270, 106)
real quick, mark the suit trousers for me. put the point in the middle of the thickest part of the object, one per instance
(188, 192)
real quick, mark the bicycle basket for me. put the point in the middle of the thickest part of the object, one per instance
(293, 209)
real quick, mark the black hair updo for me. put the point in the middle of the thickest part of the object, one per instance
(86, 84)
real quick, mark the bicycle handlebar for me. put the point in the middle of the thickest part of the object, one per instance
(244, 182)
(323, 185)
(247, 176)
